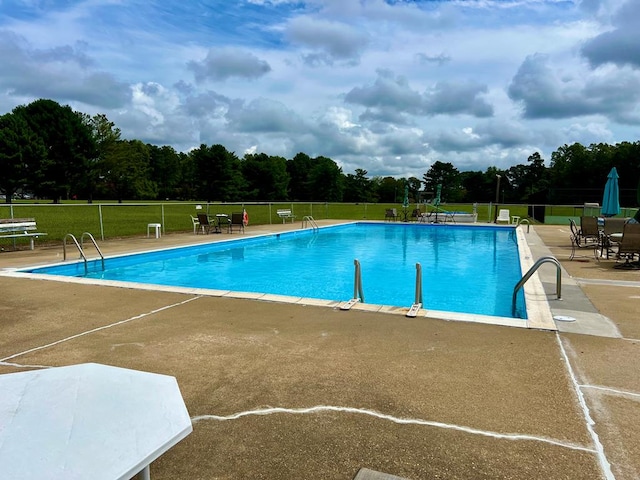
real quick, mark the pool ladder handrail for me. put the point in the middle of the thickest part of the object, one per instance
(80, 249)
(417, 304)
(531, 271)
(93, 240)
(358, 294)
(523, 220)
(309, 219)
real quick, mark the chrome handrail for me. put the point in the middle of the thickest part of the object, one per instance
(520, 222)
(417, 304)
(531, 271)
(418, 298)
(357, 283)
(309, 219)
(358, 295)
(93, 240)
(75, 241)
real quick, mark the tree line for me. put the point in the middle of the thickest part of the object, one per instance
(49, 151)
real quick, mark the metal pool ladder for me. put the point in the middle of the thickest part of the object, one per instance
(528, 275)
(358, 294)
(308, 219)
(80, 248)
(417, 304)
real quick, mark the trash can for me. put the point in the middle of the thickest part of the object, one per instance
(536, 212)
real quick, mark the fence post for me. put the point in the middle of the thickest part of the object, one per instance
(101, 222)
(164, 227)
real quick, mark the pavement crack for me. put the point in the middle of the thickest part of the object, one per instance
(391, 418)
(625, 393)
(590, 422)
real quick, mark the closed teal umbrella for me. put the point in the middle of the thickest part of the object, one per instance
(405, 203)
(436, 201)
(611, 198)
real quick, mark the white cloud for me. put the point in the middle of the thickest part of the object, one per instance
(326, 42)
(549, 91)
(226, 63)
(60, 72)
(621, 44)
(389, 87)
(264, 115)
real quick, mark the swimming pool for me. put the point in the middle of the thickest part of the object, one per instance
(467, 269)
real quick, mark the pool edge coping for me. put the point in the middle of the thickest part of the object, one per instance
(539, 314)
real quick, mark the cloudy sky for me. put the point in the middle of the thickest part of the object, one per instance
(389, 86)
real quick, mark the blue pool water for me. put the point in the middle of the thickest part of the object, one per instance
(467, 269)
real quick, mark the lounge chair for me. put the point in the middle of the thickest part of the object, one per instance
(629, 247)
(391, 215)
(237, 220)
(416, 214)
(503, 216)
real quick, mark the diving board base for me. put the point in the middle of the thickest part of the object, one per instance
(349, 304)
(413, 311)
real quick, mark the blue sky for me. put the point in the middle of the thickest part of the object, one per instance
(386, 86)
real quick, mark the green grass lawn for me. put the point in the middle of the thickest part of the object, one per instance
(112, 220)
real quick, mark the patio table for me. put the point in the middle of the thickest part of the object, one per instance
(608, 241)
(222, 220)
(87, 421)
(616, 236)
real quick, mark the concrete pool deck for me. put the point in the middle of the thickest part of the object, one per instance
(280, 391)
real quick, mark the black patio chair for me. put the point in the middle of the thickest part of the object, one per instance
(584, 237)
(629, 247)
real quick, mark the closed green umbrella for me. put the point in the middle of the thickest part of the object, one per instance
(405, 203)
(611, 198)
(436, 201)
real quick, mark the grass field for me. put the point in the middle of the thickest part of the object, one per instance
(109, 220)
(113, 220)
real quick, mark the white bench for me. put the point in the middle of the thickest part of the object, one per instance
(285, 213)
(19, 228)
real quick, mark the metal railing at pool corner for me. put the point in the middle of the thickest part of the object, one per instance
(521, 221)
(528, 275)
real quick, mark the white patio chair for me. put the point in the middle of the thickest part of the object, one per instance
(503, 216)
